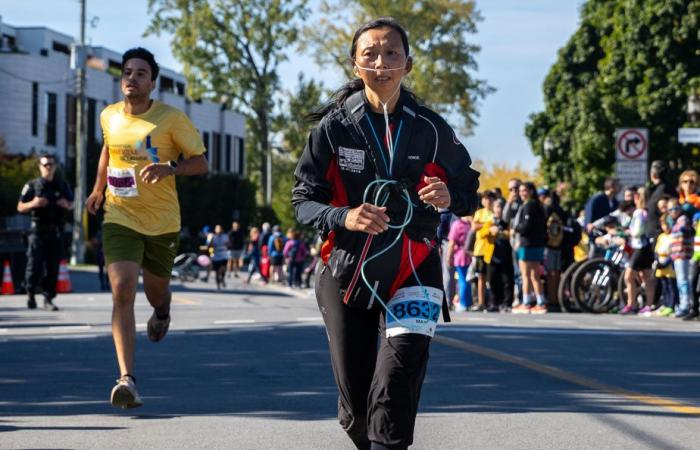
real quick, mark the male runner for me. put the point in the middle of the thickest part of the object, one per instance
(146, 143)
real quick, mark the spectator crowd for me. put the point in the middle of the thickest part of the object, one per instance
(510, 255)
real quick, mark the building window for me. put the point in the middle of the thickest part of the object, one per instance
(205, 139)
(50, 119)
(35, 109)
(44, 52)
(91, 118)
(8, 42)
(227, 150)
(167, 84)
(180, 87)
(216, 154)
(61, 48)
(241, 156)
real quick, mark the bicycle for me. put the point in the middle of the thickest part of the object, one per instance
(595, 283)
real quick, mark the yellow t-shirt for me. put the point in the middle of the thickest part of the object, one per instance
(160, 134)
(483, 244)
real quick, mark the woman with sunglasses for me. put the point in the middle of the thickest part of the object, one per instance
(688, 196)
(375, 172)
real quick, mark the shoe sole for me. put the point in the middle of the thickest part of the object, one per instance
(124, 399)
(155, 336)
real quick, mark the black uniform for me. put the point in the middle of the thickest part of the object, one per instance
(45, 243)
(379, 386)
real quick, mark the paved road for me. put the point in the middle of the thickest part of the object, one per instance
(248, 368)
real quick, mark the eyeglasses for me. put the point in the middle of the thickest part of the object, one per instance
(513, 188)
(47, 165)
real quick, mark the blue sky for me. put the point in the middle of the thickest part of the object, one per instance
(519, 40)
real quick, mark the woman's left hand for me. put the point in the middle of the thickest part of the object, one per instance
(435, 193)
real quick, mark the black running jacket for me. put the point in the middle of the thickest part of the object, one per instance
(343, 155)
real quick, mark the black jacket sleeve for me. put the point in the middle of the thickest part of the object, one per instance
(313, 192)
(525, 224)
(462, 180)
(28, 192)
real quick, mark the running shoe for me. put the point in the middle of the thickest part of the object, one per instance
(681, 313)
(49, 306)
(477, 308)
(645, 311)
(157, 328)
(461, 308)
(664, 311)
(31, 303)
(522, 309)
(124, 394)
(628, 310)
(693, 315)
(539, 309)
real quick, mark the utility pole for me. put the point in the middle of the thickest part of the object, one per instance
(78, 245)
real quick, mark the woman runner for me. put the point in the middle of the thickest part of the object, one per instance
(372, 177)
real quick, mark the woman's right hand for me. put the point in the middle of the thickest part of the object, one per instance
(367, 218)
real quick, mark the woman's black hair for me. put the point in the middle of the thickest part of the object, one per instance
(352, 86)
(533, 190)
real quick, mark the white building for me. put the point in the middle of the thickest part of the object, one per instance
(37, 88)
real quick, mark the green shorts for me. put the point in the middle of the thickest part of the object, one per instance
(154, 253)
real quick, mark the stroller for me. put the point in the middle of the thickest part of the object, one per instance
(186, 267)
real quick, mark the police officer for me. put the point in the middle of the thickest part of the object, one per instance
(46, 198)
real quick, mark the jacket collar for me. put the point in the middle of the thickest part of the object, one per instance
(358, 111)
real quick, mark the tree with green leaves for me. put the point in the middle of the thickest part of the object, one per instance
(231, 51)
(293, 128)
(444, 59)
(630, 63)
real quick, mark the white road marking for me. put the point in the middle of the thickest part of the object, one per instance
(71, 328)
(4, 330)
(476, 319)
(309, 319)
(233, 322)
(554, 321)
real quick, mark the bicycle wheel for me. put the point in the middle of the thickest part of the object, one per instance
(564, 291)
(594, 285)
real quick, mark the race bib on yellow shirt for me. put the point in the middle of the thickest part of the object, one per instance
(414, 309)
(122, 182)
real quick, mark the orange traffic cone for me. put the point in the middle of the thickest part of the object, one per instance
(63, 284)
(7, 287)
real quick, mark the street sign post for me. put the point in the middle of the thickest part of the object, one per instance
(631, 155)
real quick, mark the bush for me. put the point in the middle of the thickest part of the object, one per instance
(15, 171)
(216, 199)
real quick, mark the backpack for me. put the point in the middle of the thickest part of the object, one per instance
(555, 230)
(278, 243)
(293, 251)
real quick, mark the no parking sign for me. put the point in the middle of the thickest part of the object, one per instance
(631, 154)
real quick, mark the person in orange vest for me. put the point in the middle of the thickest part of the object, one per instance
(46, 199)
